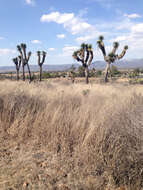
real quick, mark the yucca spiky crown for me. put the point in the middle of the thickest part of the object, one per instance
(23, 46)
(84, 54)
(100, 44)
(83, 46)
(44, 53)
(75, 53)
(89, 47)
(38, 53)
(18, 48)
(116, 44)
(101, 38)
(111, 56)
(15, 60)
(126, 47)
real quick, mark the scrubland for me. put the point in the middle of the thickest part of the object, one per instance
(62, 136)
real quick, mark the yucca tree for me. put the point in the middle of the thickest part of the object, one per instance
(24, 59)
(17, 62)
(85, 56)
(71, 73)
(112, 56)
(41, 62)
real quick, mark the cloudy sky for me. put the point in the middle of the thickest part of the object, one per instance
(60, 26)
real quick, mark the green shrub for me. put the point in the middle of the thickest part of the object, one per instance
(114, 71)
(81, 71)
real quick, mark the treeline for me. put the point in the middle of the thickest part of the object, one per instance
(76, 72)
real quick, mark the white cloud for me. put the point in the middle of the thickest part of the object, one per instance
(67, 51)
(86, 38)
(7, 51)
(137, 28)
(30, 2)
(119, 39)
(51, 49)
(61, 36)
(132, 15)
(36, 42)
(57, 17)
(70, 22)
(132, 38)
(125, 30)
(134, 34)
(93, 34)
(2, 38)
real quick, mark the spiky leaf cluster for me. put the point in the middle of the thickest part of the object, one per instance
(15, 60)
(84, 54)
(39, 54)
(100, 44)
(112, 56)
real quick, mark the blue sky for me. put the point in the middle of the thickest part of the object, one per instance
(60, 26)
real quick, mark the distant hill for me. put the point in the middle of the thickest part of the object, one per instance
(125, 64)
(35, 68)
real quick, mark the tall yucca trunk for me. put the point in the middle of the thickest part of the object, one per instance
(24, 51)
(23, 70)
(30, 78)
(11, 76)
(82, 57)
(43, 60)
(102, 47)
(107, 71)
(73, 79)
(17, 74)
(87, 57)
(40, 73)
(91, 58)
(86, 75)
(17, 71)
(38, 59)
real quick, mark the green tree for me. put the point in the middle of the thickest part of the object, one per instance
(135, 73)
(112, 56)
(81, 71)
(41, 61)
(24, 59)
(71, 73)
(114, 70)
(85, 56)
(17, 62)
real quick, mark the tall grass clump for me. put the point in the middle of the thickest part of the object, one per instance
(97, 136)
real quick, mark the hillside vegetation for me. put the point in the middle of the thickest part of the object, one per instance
(61, 136)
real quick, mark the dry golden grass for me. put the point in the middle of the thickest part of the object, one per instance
(62, 136)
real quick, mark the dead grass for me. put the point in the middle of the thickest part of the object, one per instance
(76, 137)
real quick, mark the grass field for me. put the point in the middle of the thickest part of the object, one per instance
(63, 136)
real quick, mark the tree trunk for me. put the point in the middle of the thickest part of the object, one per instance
(30, 78)
(73, 79)
(23, 69)
(86, 75)
(40, 73)
(107, 71)
(17, 74)
(11, 75)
